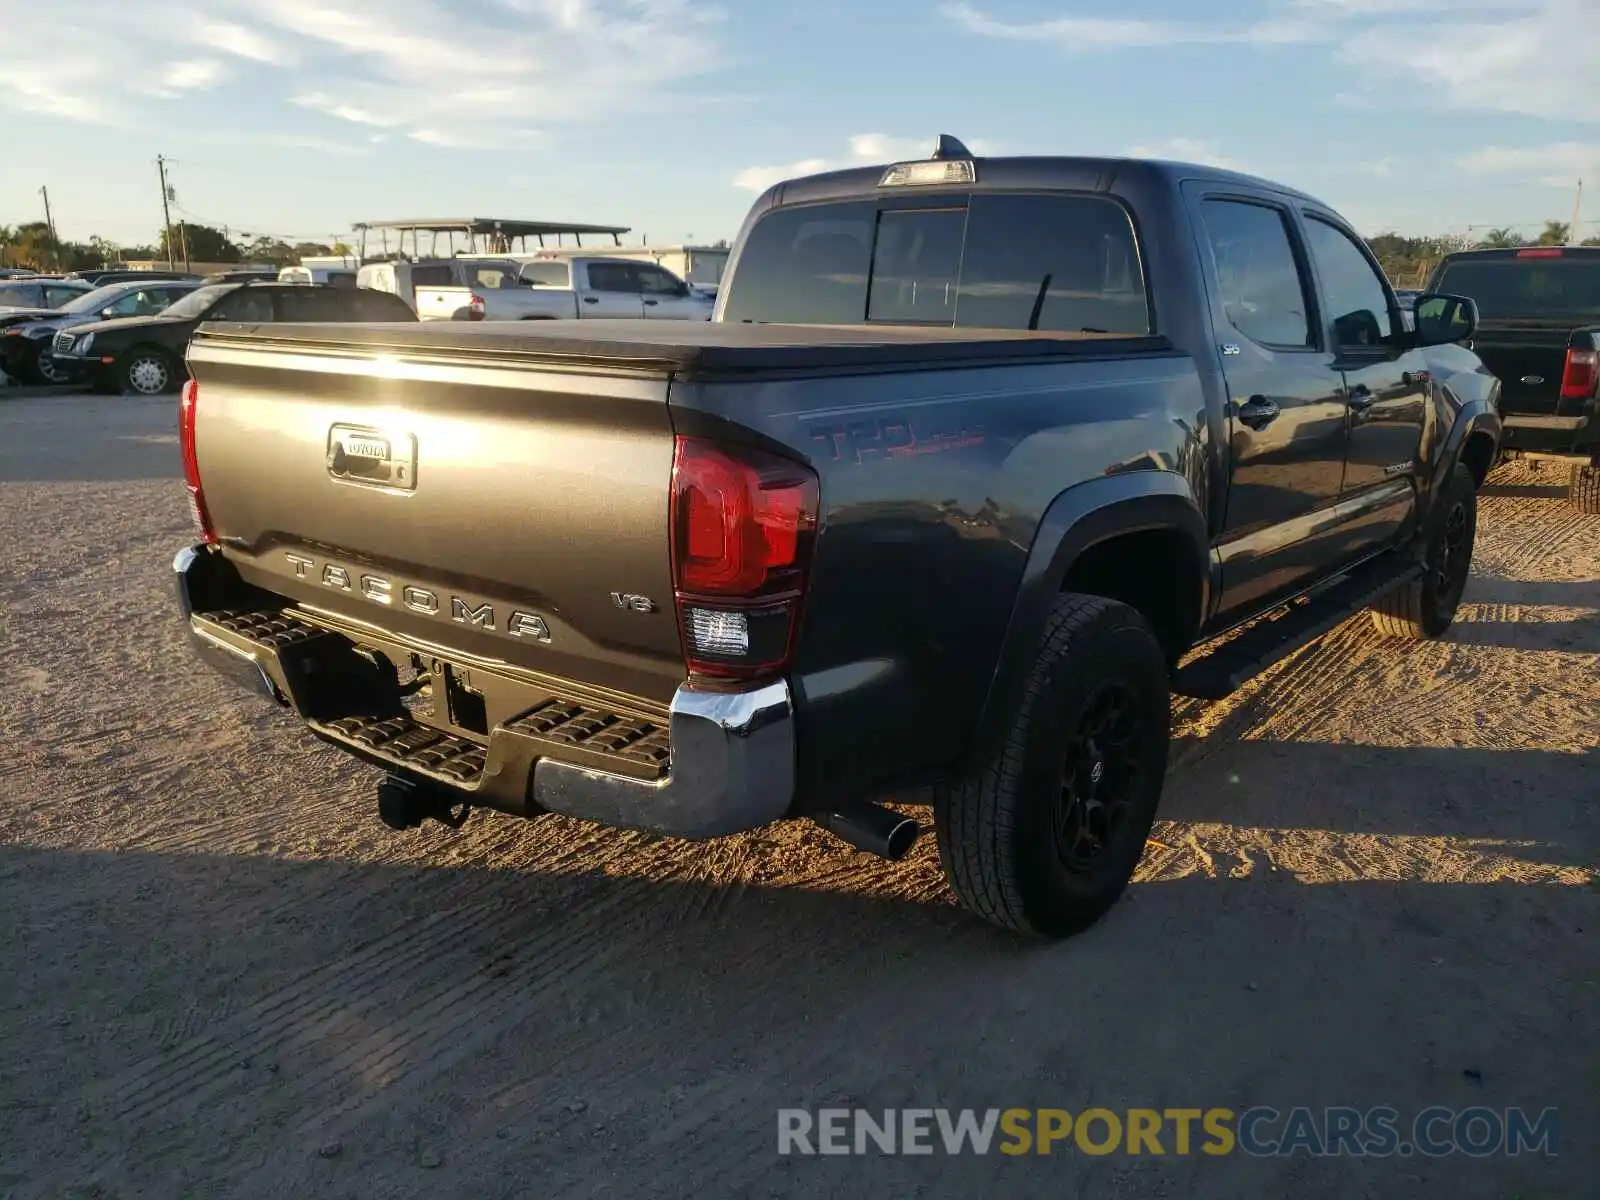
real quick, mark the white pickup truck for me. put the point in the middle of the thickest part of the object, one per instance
(567, 288)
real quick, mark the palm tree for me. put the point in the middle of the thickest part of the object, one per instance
(1503, 238)
(1555, 233)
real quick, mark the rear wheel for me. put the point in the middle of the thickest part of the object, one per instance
(1425, 607)
(1585, 490)
(1045, 835)
(149, 372)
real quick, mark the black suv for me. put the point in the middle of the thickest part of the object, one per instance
(1539, 331)
(145, 354)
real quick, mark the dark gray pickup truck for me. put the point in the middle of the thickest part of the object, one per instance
(977, 463)
(1539, 331)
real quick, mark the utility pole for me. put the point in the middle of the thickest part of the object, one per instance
(50, 224)
(166, 213)
(183, 241)
(1577, 204)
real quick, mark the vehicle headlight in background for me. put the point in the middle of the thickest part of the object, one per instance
(80, 345)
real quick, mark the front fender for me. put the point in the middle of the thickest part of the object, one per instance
(1473, 418)
(1078, 519)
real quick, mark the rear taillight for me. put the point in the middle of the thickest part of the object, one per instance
(743, 525)
(187, 408)
(475, 308)
(1581, 374)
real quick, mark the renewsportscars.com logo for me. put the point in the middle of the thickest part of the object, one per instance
(1260, 1131)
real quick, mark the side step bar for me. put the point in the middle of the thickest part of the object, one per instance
(1228, 666)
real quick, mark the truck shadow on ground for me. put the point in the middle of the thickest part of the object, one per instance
(230, 1018)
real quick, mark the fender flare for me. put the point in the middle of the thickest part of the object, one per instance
(1078, 519)
(1474, 417)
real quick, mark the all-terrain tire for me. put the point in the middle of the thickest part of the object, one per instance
(1425, 607)
(1005, 831)
(1584, 493)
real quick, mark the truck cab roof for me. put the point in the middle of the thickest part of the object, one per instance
(1017, 173)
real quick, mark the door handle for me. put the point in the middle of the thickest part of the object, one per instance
(1258, 412)
(652, 303)
(591, 299)
(1360, 397)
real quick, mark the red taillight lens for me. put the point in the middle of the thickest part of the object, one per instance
(743, 523)
(1540, 252)
(187, 407)
(1581, 374)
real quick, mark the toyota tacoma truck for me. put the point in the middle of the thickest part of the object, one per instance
(1539, 332)
(977, 464)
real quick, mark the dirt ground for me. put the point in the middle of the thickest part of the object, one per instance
(1374, 883)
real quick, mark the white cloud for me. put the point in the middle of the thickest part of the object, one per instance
(1088, 34)
(241, 42)
(190, 75)
(1531, 58)
(864, 150)
(759, 179)
(440, 73)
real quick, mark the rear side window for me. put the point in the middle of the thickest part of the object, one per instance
(613, 277)
(435, 276)
(1057, 262)
(1262, 289)
(548, 274)
(22, 295)
(1561, 290)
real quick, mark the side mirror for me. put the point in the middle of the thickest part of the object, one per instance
(1442, 318)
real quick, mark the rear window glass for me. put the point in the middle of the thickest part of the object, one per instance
(1528, 289)
(1059, 263)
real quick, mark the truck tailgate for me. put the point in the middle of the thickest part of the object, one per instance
(486, 510)
(1528, 360)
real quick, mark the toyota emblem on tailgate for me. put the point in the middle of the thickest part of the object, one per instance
(1533, 380)
(377, 458)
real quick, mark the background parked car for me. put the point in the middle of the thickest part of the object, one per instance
(100, 275)
(144, 355)
(39, 293)
(25, 345)
(16, 273)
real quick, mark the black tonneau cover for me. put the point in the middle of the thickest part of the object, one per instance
(692, 348)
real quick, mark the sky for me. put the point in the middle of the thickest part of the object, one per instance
(299, 118)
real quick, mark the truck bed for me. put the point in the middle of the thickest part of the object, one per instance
(697, 348)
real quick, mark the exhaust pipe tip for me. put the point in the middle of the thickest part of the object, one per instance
(873, 828)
